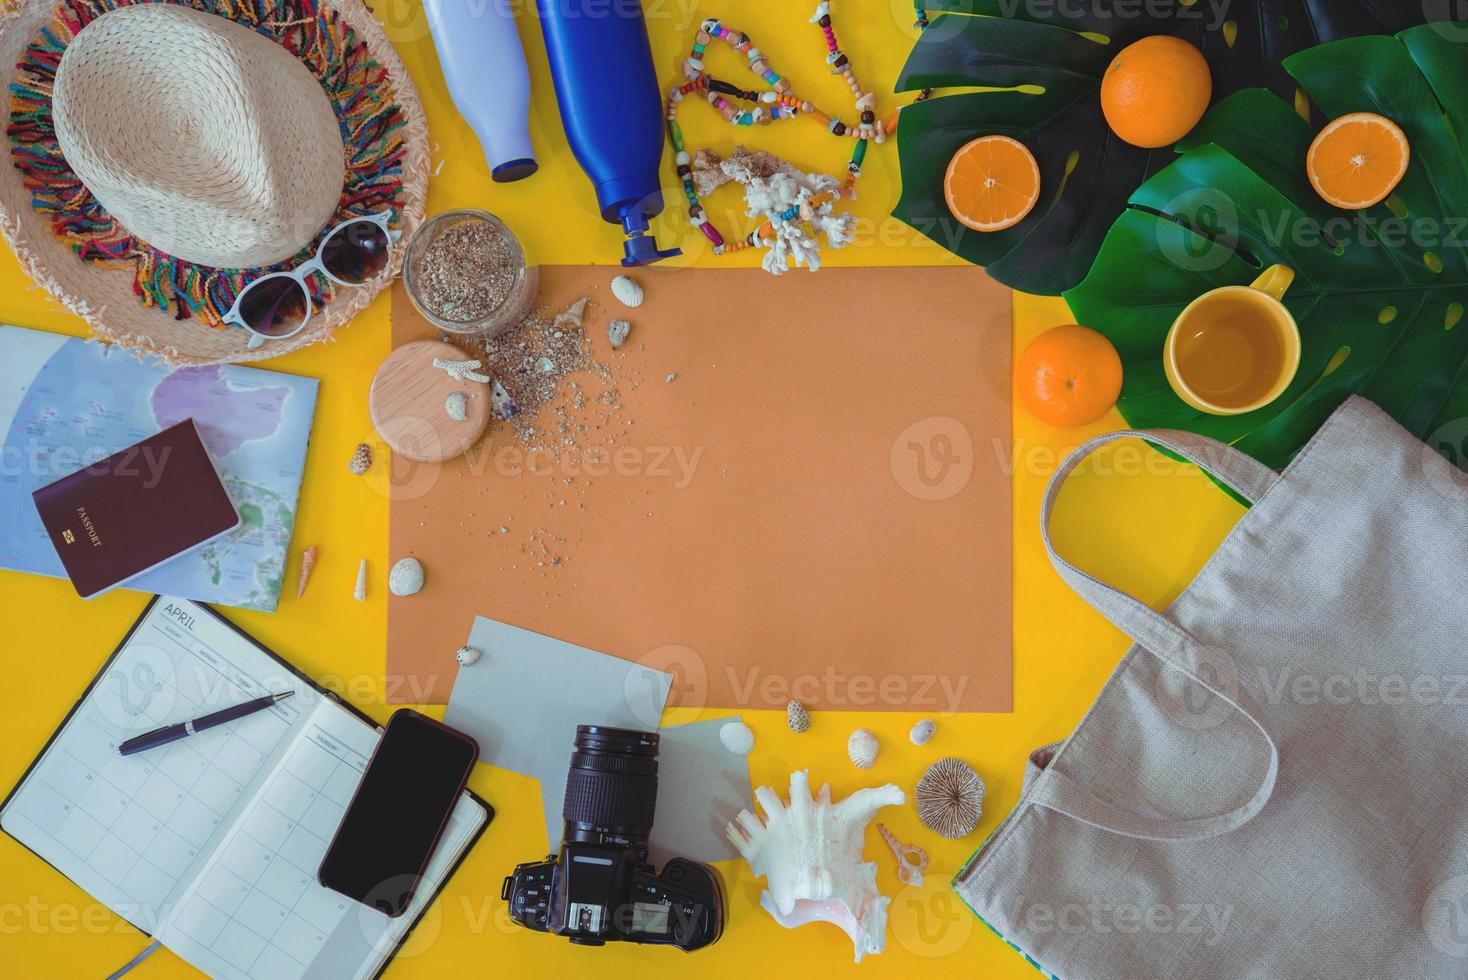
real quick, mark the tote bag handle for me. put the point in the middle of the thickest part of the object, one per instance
(1161, 637)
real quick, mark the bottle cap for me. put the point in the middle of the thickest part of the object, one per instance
(513, 170)
(640, 247)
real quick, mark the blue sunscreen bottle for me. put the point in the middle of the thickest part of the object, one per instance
(612, 109)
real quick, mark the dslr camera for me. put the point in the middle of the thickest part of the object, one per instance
(600, 887)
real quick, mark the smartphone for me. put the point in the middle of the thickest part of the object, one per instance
(398, 815)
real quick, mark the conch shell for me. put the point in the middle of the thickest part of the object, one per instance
(809, 854)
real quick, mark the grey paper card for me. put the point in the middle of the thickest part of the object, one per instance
(701, 787)
(524, 698)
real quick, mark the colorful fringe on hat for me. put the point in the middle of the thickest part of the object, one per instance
(358, 87)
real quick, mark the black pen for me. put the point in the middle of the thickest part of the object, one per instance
(173, 733)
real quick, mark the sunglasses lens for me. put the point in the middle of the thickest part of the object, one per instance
(356, 252)
(274, 307)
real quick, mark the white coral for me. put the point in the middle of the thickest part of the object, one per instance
(809, 854)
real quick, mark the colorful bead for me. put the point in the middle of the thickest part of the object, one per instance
(776, 103)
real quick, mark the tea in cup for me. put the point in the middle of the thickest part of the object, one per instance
(1235, 349)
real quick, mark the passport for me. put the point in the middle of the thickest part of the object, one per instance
(137, 509)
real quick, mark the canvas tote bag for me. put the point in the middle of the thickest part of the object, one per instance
(1274, 781)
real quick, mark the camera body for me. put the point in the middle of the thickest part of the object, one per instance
(570, 894)
(600, 887)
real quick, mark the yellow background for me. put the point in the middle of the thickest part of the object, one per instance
(1132, 517)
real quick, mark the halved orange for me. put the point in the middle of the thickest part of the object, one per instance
(992, 183)
(1358, 160)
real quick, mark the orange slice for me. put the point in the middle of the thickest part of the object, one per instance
(1358, 160)
(992, 183)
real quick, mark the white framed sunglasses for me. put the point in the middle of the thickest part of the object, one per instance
(279, 305)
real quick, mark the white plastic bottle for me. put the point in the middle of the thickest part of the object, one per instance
(484, 65)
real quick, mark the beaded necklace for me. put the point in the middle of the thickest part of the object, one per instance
(776, 103)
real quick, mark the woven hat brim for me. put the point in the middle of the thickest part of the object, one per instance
(102, 294)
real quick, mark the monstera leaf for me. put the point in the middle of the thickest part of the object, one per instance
(1051, 55)
(1379, 294)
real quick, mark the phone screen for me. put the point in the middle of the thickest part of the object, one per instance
(399, 813)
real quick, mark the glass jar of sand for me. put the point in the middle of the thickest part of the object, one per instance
(466, 272)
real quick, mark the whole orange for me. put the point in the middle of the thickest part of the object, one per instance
(1156, 90)
(1069, 376)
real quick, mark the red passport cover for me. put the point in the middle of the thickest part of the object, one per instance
(136, 509)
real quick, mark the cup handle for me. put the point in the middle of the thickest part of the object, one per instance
(1276, 281)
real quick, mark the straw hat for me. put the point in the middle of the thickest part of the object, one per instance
(163, 155)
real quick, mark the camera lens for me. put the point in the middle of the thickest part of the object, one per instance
(612, 788)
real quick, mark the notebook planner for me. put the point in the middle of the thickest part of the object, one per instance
(211, 844)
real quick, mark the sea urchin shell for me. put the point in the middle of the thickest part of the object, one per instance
(950, 798)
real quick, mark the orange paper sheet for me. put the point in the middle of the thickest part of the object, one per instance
(816, 507)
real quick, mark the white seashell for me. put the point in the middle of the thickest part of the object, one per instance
(950, 798)
(922, 733)
(572, 315)
(467, 656)
(737, 738)
(809, 854)
(457, 406)
(360, 592)
(628, 291)
(618, 331)
(406, 577)
(500, 401)
(862, 747)
(912, 860)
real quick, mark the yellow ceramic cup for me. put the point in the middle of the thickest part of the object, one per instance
(1235, 349)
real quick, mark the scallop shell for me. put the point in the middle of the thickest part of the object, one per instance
(950, 798)
(862, 747)
(922, 733)
(737, 738)
(406, 577)
(628, 291)
(797, 716)
(457, 406)
(467, 656)
(618, 331)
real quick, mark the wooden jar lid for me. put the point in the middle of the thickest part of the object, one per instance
(407, 404)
